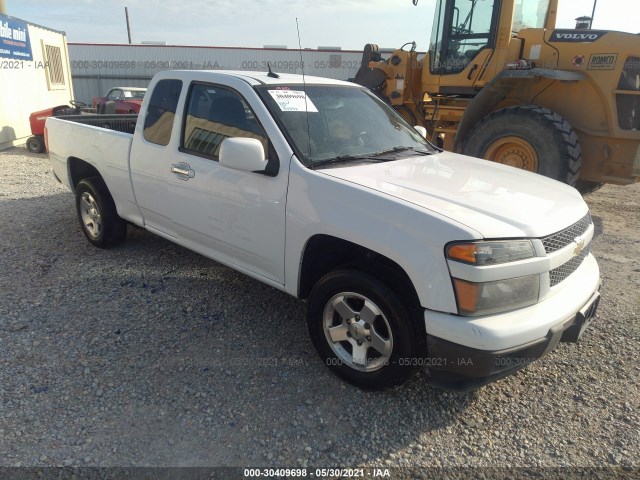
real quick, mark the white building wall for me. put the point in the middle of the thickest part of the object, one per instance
(25, 87)
(98, 67)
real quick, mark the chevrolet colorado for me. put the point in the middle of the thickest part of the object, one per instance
(408, 256)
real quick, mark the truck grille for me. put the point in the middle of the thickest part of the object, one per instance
(557, 275)
(563, 238)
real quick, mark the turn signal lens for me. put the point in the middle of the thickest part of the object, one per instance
(467, 293)
(464, 252)
(491, 253)
(495, 297)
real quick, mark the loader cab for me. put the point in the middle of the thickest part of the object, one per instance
(461, 30)
(466, 35)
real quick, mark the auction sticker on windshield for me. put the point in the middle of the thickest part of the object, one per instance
(293, 101)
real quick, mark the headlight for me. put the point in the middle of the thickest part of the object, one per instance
(490, 253)
(499, 296)
(485, 298)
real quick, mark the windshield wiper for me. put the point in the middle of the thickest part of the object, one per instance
(343, 159)
(377, 156)
(401, 149)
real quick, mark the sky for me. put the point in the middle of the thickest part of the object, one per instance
(349, 24)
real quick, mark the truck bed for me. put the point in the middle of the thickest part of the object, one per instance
(104, 142)
(118, 123)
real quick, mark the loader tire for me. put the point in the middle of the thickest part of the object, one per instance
(407, 114)
(528, 137)
(587, 186)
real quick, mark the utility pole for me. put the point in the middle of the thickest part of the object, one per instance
(126, 14)
(593, 13)
(3, 9)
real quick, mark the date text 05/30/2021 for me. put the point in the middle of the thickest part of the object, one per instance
(343, 473)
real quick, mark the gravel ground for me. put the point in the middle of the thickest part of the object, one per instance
(150, 355)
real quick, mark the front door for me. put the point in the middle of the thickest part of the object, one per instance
(234, 216)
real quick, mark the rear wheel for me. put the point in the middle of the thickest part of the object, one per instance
(98, 215)
(35, 144)
(531, 138)
(362, 330)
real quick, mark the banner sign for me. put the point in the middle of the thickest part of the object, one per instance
(14, 39)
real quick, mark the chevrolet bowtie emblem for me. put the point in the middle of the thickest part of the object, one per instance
(579, 246)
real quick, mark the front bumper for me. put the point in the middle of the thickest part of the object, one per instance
(456, 367)
(464, 353)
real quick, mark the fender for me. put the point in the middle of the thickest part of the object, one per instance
(498, 89)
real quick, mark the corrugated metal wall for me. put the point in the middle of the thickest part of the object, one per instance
(96, 68)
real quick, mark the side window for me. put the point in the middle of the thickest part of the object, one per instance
(466, 29)
(470, 33)
(215, 113)
(114, 95)
(529, 14)
(162, 111)
(437, 33)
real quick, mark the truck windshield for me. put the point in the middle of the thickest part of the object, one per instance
(529, 14)
(332, 122)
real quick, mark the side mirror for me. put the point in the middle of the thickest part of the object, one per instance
(245, 154)
(421, 130)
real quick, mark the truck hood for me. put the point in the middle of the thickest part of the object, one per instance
(495, 200)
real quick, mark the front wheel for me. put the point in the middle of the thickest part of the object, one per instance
(528, 137)
(362, 330)
(98, 215)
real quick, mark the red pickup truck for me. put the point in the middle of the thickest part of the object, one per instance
(126, 99)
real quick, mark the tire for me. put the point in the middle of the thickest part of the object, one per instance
(97, 214)
(587, 186)
(35, 144)
(407, 114)
(359, 308)
(528, 137)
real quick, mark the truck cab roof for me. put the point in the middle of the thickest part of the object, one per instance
(133, 89)
(252, 78)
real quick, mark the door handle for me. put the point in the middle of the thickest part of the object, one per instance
(473, 69)
(183, 171)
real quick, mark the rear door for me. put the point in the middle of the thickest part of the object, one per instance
(151, 158)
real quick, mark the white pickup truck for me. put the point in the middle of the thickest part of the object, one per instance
(408, 256)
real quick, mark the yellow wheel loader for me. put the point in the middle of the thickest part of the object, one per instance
(501, 82)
